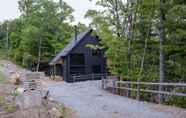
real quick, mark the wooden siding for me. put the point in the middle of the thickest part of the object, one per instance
(90, 60)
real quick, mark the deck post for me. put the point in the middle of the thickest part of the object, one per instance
(114, 86)
(92, 75)
(127, 91)
(55, 70)
(74, 77)
(117, 87)
(103, 82)
(138, 90)
(160, 97)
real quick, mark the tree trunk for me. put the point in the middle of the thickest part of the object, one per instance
(161, 51)
(39, 55)
(129, 37)
(143, 58)
(7, 41)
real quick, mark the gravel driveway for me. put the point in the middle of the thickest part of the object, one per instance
(88, 100)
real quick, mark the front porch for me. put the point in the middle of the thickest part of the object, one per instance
(56, 71)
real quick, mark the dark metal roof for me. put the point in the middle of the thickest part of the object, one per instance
(73, 43)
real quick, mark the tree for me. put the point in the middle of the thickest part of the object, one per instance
(142, 19)
(41, 31)
(162, 40)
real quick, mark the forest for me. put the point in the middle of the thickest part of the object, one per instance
(143, 39)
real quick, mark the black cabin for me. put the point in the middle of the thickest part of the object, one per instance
(78, 59)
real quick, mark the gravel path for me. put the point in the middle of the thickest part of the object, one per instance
(90, 101)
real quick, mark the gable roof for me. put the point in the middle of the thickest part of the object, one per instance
(73, 43)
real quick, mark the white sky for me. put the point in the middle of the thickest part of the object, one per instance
(9, 9)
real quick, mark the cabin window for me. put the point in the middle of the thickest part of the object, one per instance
(77, 59)
(96, 52)
(96, 69)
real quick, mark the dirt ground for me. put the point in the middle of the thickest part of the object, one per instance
(47, 109)
(34, 104)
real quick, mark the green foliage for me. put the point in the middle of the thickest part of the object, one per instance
(10, 108)
(130, 33)
(2, 54)
(111, 21)
(3, 78)
(66, 112)
(41, 20)
(175, 100)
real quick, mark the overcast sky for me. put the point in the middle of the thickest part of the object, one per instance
(9, 9)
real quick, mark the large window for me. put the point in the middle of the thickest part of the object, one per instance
(77, 62)
(77, 59)
(96, 69)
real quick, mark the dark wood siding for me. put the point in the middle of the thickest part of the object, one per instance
(90, 60)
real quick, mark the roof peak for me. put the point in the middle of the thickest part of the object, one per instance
(71, 45)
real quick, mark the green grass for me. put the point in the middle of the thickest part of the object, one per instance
(10, 108)
(66, 112)
(2, 54)
(2, 78)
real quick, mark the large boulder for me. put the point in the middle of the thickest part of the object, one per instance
(29, 99)
(15, 78)
(34, 75)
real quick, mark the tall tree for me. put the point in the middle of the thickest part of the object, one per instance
(162, 40)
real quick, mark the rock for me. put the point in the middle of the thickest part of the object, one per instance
(29, 99)
(8, 116)
(34, 75)
(51, 99)
(20, 90)
(15, 75)
(15, 78)
(9, 98)
(55, 113)
(2, 113)
(30, 113)
(56, 78)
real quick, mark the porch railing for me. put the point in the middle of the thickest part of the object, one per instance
(87, 77)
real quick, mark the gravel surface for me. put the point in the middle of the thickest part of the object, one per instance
(90, 101)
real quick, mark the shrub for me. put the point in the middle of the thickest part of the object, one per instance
(176, 100)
